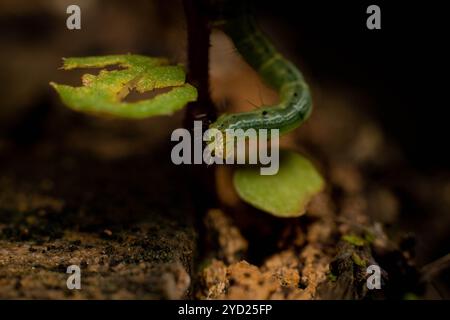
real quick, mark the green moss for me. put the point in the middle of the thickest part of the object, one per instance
(410, 296)
(369, 237)
(354, 240)
(331, 277)
(358, 260)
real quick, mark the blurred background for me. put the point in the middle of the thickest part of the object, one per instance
(380, 100)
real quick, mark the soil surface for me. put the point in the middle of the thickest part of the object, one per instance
(88, 195)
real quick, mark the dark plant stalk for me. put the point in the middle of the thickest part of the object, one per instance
(198, 29)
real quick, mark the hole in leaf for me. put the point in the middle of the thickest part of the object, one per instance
(73, 77)
(135, 96)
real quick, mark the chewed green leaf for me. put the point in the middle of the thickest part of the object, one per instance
(104, 93)
(284, 194)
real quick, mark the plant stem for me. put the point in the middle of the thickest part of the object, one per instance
(199, 30)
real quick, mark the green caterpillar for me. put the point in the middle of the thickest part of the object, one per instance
(295, 103)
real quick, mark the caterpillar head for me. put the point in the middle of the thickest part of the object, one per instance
(217, 136)
(227, 141)
(217, 145)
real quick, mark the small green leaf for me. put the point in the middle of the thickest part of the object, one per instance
(284, 194)
(103, 93)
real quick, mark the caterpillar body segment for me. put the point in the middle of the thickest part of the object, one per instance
(295, 103)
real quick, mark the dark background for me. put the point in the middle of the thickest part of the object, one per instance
(403, 65)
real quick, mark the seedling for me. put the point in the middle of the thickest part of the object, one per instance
(284, 194)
